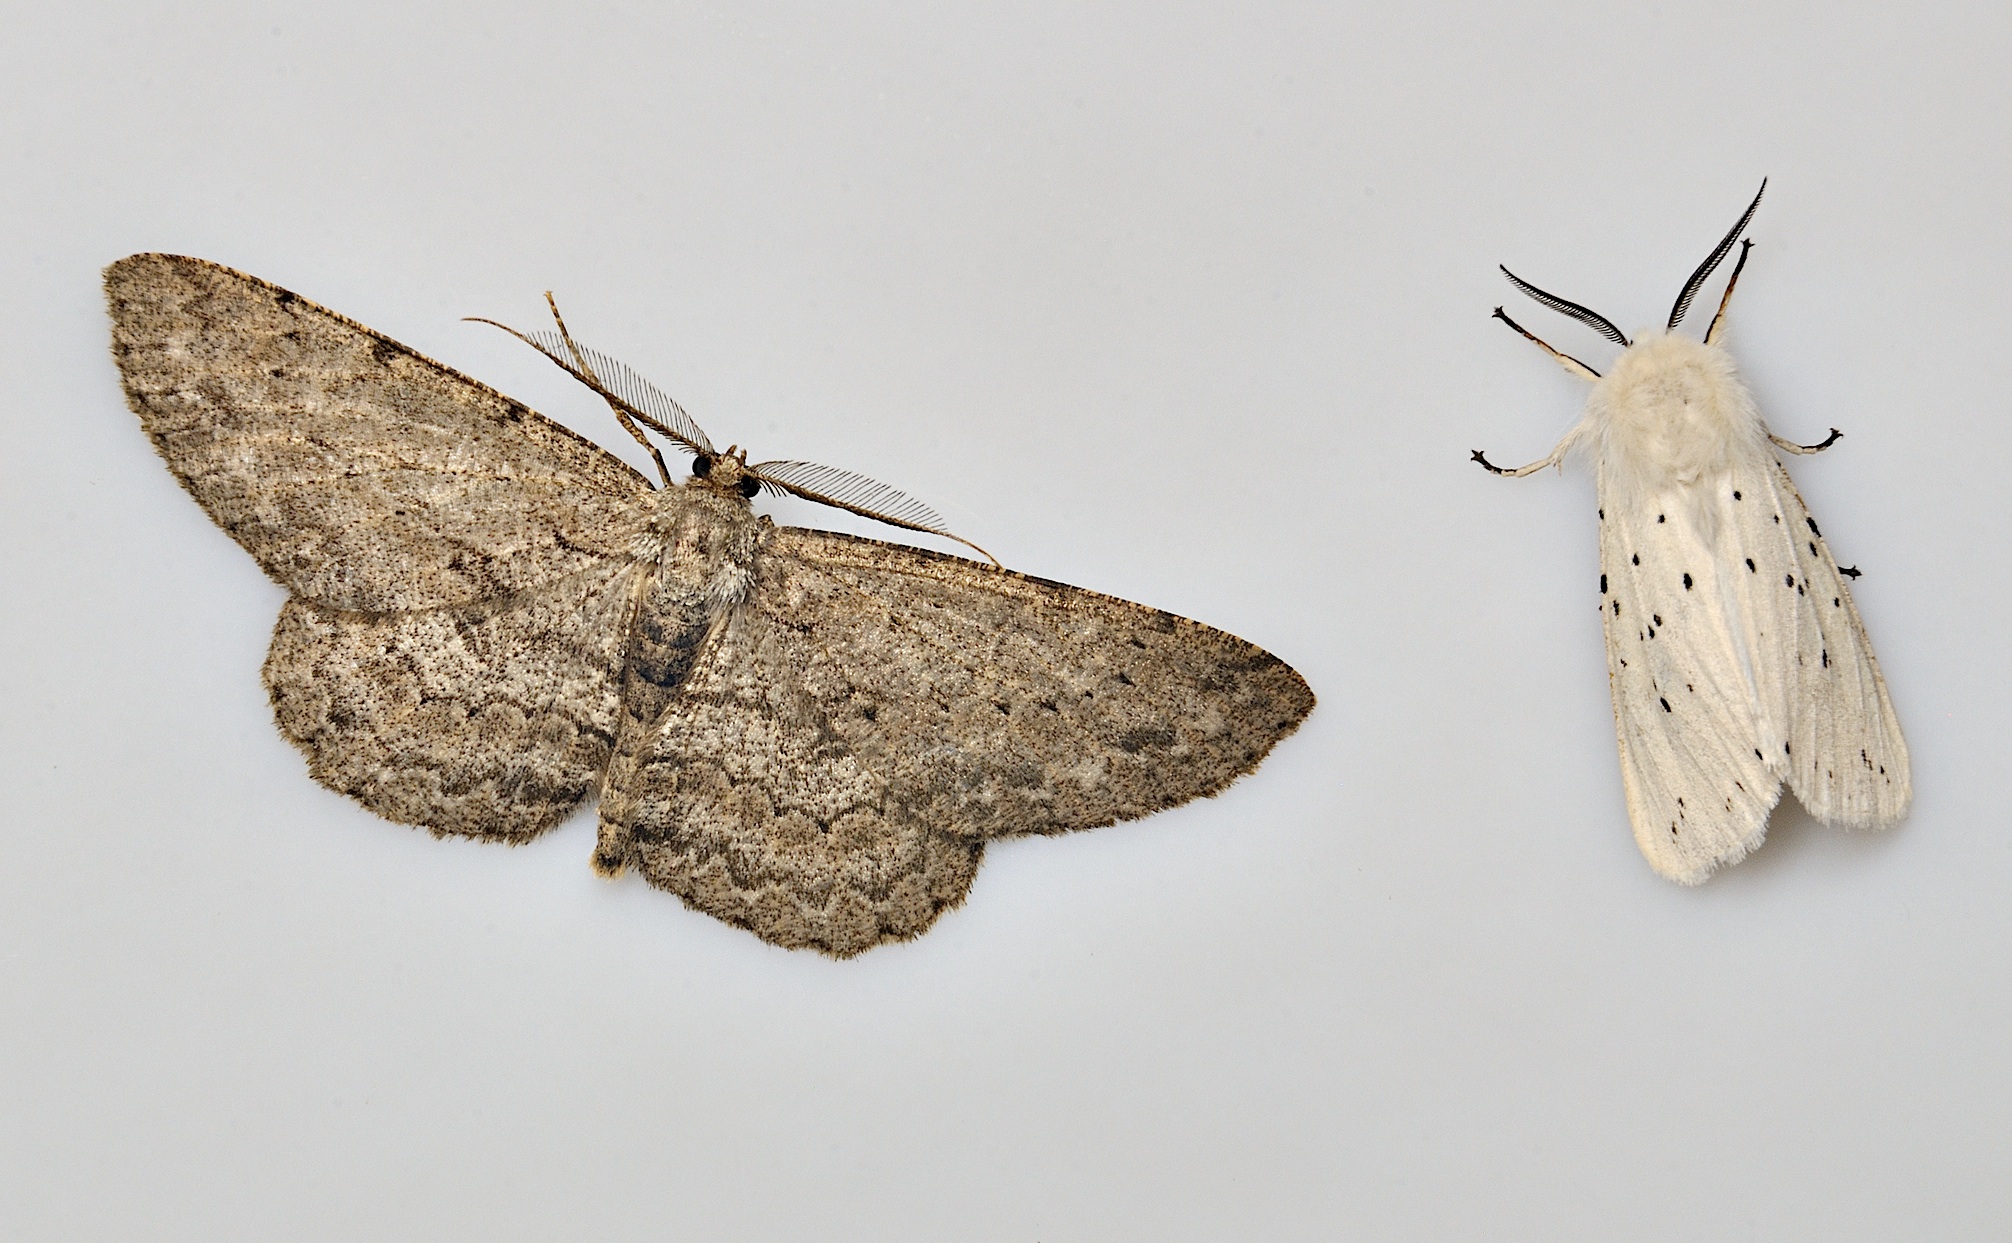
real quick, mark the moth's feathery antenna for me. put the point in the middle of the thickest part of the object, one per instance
(1566, 361)
(1713, 260)
(621, 415)
(577, 367)
(822, 484)
(842, 489)
(1793, 447)
(1598, 321)
(1725, 299)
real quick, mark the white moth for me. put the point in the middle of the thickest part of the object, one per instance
(1735, 655)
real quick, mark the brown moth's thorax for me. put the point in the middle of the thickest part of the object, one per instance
(706, 539)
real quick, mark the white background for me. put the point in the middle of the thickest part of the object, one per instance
(1188, 304)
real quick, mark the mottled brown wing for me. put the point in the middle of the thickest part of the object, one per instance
(489, 720)
(742, 802)
(853, 733)
(996, 703)
(361, 475)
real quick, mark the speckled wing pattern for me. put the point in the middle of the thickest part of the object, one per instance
(360, 474)
(492, 619)
(850, 739)
(458, 563)
(492, 719)
(1738, 662)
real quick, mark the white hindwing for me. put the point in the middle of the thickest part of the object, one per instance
(1846, 760)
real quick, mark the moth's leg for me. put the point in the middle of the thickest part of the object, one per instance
(1725, 299)
(1793, 447)
(621, 415)
(663, 472)
(1566, 361)
(628, 424)
(1557, 456)
(1570, 364)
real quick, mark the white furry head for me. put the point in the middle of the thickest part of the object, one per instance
(1671, 413)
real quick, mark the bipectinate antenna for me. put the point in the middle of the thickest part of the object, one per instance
(633, 399)
(1713, 260)
(637, 401)
(1596, 320)
(869, 498)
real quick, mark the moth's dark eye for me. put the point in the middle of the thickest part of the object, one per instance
(702, 466)
(749, 486)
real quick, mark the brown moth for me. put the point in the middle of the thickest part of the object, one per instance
(806, 734)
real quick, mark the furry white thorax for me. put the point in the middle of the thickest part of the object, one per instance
(1670, 415)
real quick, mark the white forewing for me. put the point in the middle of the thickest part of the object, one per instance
(1694, 725)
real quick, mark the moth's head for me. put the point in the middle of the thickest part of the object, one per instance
(1668, 365)
(726, 473)
(1671, 410)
